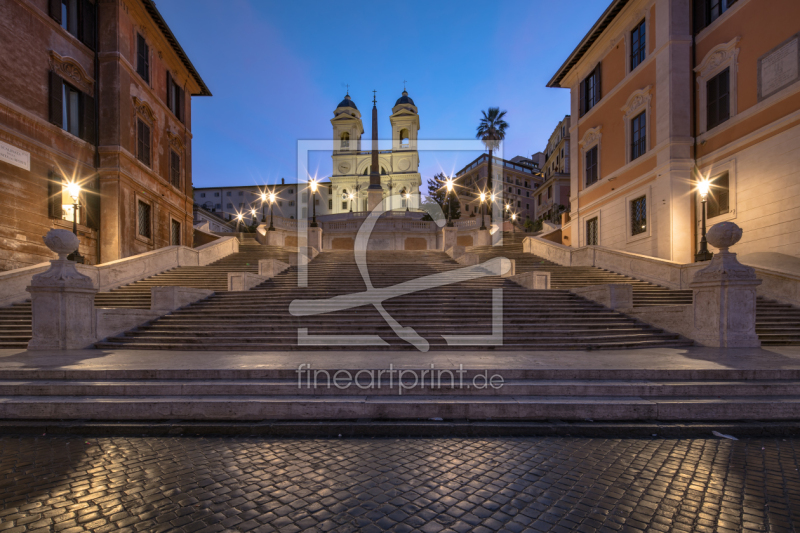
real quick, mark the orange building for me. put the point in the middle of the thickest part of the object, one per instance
(664, 91)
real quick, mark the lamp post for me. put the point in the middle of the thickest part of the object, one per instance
(507, 210)
(449, 186)
(313, 186)
(483, 210)
(513, 222)
(408, 200)
(74, 191)
(271, 210)
(703, 254)
(263, 201)
(239, 218)
(254, 215)
(351, 196)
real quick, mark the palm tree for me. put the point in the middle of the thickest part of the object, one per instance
(491, 130)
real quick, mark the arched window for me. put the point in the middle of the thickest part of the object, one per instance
(403, 136)
(345, 138)
(366, 171)
(383, 171)
(403, 196)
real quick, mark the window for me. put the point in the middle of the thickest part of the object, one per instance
(637, 45)
(519, 204)
(230, 205)
(707, 11)
(344, 205)
(718, 99)
(76, 17)
(591, 166)
(142, 58)
(330, 205)
(143, 142)
(71, 109)
(202, 195)
(219, 206)
(591, 232)
(144, 219)
(216, 194)
(175, 232)
(518, 191)
(549, 192)
(590, 90)
(229, 193)
(639, 215)
(175, 97)
(528, 194)
(69, 16)
(345, 140)
(539, 200)
(174, 169)
(719, 196)
(638, 135)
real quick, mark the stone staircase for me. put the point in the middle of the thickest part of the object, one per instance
(260, 319)
(15, 321)
(776, 323)
(267, 394)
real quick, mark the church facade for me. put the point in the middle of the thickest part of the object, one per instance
(399, 167)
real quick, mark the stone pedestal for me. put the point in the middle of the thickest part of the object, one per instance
(724, 313)
(449, 237)
(62, 301)
(271, 267)
(274, 238)
(374, 198)
(315, 238)
(483, 238)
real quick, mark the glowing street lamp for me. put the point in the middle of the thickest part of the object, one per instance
(74, 191)
(513, 222)
(449, 186)
(351, 196)
(483, 210)
(703, 187)
(263, 202)
(271, 209)
(313, 185)
(239, 218)
(408, 200)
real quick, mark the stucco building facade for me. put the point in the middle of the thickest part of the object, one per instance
(98, 93)
(666, 91)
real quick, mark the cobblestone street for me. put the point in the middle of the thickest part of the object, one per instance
(509, 484)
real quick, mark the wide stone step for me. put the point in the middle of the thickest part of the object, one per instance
(683, 408)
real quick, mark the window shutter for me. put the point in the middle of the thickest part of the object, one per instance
(92, 199)
(54, 7)
(181, 104)
(723, 193)
(598, 90)
(87, 118)
(88, 17)
(699, 15)
(54, 191)
(56, 99)
(169, 91)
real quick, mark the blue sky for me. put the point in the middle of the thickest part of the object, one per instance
(277, 69)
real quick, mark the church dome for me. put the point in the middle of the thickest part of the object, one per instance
(405, 99)
(347, 102)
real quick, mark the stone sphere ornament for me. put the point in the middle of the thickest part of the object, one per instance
(723, 235)
(61, 241)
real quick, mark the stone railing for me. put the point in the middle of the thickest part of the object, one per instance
(13, 284)
(781, 286)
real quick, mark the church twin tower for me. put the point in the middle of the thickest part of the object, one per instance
(398, 168)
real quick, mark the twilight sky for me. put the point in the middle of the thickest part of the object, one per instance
(277, 69)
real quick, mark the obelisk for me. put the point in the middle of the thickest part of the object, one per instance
(374, 191)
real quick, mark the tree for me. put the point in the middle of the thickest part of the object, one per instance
(437, 192)
(491, 130)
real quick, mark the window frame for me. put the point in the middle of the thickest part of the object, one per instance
(142, 59)
(173, 154)
(638, 102)
(638, 126)
(717, 108)
(583, 97)
(591, 139)
(643, 46)
(148, 239)
(174, 220)
(140, 145)
(721, 57)
(629, 199)
(585, 233)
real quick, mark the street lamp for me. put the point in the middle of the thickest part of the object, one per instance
(449, 185)
(483, 210)
(239, 218)
(254, 214)
(408, 200)
(263, 201)
(271, 209)
(507, 210)
(703, 186)
(313, 185)
(513, 222)
(74, 191)
(351, 196)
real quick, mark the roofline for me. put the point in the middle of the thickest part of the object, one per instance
(255, 186)
(151, 8)
(589, 39)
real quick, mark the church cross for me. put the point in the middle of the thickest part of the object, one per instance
(374, 97)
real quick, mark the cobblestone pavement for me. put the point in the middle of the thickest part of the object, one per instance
(506, 484)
